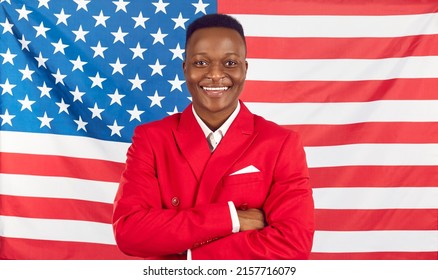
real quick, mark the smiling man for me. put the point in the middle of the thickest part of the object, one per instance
(215, 181)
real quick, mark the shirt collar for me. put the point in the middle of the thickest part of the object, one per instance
(224, 127)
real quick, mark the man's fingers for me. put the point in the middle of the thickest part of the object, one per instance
(251, 219)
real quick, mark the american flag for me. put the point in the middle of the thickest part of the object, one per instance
(357, 79)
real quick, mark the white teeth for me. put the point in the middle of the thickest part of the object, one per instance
(215, 88)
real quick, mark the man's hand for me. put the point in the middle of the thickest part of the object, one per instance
(251, 219)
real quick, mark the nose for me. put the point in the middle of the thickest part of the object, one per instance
(216, 72)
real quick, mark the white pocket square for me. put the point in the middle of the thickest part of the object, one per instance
(248, 169)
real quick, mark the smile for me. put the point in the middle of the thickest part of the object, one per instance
(215, 88)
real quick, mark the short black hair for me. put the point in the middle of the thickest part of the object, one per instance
(215, 20)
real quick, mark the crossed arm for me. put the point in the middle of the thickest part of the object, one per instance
(283, 229)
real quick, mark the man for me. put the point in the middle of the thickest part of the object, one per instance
(215, 181)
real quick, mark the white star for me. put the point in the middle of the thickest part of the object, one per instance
(138, 51)
(140, 20)
(59, 47)
(24, 43)
(117, 67)
(115, 128)
(44, 3)
(158, 37)
(8, 57)
(160, 6)
(27, 74)
(96, 111)
(119, 35)
(135, 114)
(77, 95)
(176, 84)
(177, 52)
(175, 110)
(156, 68)
(156, 99)
(180, 21)
(82, 4)
(116, 98)
(78, 64)
(7, 26)
(137, 82)
(121, 5)
(101, 19)
(41, 61)
(26, 103)
(62, 107)
(7, 87)
(45, 90)
(97, 81)
(45, 120)
(81, 124)
(23, 13)
(62, 17)
(200, 7)
(59, 78)
(6, 118)
(98, 50)
(80, 34)
(41, 30)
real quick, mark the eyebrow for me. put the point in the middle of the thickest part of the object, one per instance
(205, 53)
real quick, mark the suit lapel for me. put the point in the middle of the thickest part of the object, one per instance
(192, 143)
(237, 140)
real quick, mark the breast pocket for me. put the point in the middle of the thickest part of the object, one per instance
(245, 190)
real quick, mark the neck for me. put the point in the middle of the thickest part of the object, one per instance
(214, 120)
(214, 123)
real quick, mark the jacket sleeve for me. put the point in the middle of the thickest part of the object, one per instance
(289, 212)
(142, 228)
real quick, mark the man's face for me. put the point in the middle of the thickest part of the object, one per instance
(215, 70)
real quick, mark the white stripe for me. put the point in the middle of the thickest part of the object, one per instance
(375, 241)
(348, 112)
(59, 230)
(57, 187)
(373, 155)
(70, 146)
(325, 241)
(342, 69)
(326, 156)
(338, 26)
(376, 198)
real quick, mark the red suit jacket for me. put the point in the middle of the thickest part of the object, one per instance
(174, 192)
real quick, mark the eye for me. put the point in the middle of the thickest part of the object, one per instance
(200, 63)
(230, 63)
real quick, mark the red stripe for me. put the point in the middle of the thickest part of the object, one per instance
(47, 165)
(323, 7)
(55, 208)
(388, 219)
(29, 249)
(376, 256)
(341, 48)
(333, 91)
(374, 176)
(373, 132)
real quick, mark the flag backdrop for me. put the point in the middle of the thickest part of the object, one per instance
(357, 79)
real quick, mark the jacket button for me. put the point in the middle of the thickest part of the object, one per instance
(175, 201)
